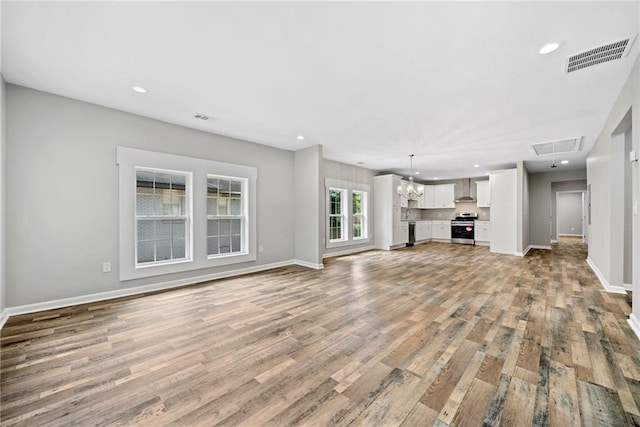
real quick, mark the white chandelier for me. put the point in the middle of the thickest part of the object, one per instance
(412, 191)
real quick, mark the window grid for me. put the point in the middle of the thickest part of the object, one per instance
(358, 212)
(336, 214)
(161, 216)
(225, 219)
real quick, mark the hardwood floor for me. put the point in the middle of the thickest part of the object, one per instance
(437, 334)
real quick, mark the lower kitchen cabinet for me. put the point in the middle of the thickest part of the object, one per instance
(401, 234)
(441, 230)
(482, 232)
(423, 230)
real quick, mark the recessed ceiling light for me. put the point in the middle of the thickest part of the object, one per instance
(476, 166)
(435, 178)
(486, 173)
(549, 47)
(417, 173)
(564, 162)
(139, 89)
(300, 137)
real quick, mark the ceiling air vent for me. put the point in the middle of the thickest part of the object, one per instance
(600, 54)
(554, 147)
(202, 116)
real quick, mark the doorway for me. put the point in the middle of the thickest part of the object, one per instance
(571, 214)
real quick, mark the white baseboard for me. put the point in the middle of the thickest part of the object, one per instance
(635, 324)
(539, 247)
(553, 242)
(125, 292)
(3, 317)
(605, 284)
(627, 286)
(347, 251)
(569, 235)
(308, 264)
(479, 243)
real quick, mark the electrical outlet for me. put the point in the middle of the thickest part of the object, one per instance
(106, 267)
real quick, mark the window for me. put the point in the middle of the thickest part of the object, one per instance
(162, 221)
(359, 214)
(225, 216)
(181, 213)
(347, 208)
(336, 215)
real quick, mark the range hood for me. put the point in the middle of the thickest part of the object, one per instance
(467, 198)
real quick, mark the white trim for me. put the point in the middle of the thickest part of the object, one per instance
(605, 284)
(101, 296)
(627, 286)
(539, 247)
(4, 316)
(635, 324)
(523, 253)
(482, 243)
(570, 235)
(347, 251)
(308, 264)
(553, 242)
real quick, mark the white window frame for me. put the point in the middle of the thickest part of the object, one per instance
(343, 215)
(187, 217)
(349, 188)
(363, 215)
(241, 216)
(128, 159)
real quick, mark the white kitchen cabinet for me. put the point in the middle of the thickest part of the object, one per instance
(423, 231)
(441, 230)
(401, 234)
(483, 194)
(427, 200)
(389, 230)
(504, 201)
(443, 196)
(482, 232)
(402, 201)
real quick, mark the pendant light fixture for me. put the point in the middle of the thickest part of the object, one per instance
(412, 191)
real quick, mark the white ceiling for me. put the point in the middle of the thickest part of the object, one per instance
(456, 84)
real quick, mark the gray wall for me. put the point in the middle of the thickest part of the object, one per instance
(523, 235)
(569, 213)
(63, 205)
(542, 202)
(308, 202)
(604, 241)
(344, 172)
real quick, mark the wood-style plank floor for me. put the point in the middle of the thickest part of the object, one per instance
(437, 334)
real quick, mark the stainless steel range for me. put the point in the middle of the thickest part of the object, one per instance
(462, 228)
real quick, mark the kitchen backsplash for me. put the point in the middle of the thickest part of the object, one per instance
(414, 213)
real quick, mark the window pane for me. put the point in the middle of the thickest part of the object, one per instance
(225, 227)
(222, 206)
(212, 227)
(179, 248)
(178, 182)
(235, 244)
(357, 226)
(225, 244)
(162, 181)
(145, 252)
(157, 203)
(163, 229)
(335, 197)
(357, 202)
(235, 207)
(212, 206)
(212, 186)
(144, 204)
(178, 229)
(163, 250)
(335, 227)
(212, 246)
(236, 226)
(224, 187)
(146, 230)
(236, 187)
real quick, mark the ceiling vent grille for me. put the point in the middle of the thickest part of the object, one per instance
(203, 116)
(598, 55)
(568, 145)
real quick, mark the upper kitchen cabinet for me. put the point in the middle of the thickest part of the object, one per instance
(443, 196)
(483, 194)
(426, 201)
